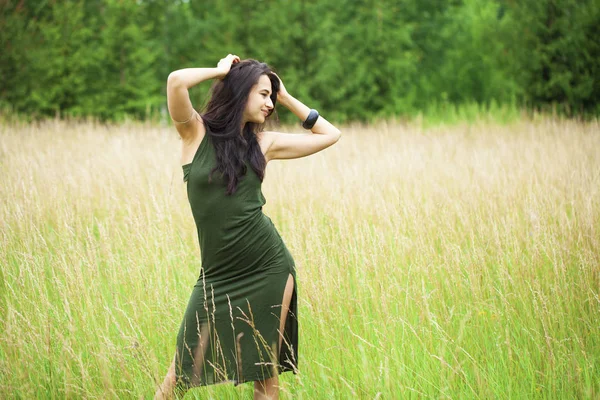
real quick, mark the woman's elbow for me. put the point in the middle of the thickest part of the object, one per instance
(173, 79)
(337, 134)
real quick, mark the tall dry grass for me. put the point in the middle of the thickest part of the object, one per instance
(456, 262)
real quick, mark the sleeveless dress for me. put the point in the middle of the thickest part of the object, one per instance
(230, 330)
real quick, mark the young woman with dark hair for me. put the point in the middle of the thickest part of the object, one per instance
(240, 324)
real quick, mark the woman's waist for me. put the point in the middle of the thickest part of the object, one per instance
(236, 236)
(244, 247)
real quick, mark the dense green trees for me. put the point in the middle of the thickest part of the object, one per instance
(356, 59)
(557, 61)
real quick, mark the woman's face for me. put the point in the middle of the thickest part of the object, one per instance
(259, 104)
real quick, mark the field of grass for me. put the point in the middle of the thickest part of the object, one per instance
(446, 262)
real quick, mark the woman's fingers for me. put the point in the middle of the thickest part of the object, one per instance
(281, 85)
(226, 62)
(231, 58)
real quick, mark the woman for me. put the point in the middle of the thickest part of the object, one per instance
(240, 323)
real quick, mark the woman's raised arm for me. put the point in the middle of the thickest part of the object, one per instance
(284, 146)
(178, 99)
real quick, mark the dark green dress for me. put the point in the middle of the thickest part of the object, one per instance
(230, 328)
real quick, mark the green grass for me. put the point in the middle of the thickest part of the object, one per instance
(433, 261)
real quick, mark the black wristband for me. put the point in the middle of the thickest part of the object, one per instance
(313, 115)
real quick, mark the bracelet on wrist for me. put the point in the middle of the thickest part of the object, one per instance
(310, 121)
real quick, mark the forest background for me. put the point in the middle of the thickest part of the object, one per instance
(359, 60)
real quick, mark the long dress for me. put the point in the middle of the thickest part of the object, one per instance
(230, 330)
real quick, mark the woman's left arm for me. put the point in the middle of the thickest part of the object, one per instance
(285, 146)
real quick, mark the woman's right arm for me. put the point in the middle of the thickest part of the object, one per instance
(178, 99)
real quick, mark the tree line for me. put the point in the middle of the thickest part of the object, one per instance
(359, 60)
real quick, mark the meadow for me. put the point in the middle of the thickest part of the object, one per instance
(455, 262)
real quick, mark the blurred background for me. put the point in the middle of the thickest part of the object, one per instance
(358, 60)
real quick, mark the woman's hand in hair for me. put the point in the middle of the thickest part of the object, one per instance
(224, 65)
(282, 94)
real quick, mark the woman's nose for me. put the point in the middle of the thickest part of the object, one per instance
(269, 102)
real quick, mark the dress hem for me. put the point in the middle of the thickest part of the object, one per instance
(184, 387)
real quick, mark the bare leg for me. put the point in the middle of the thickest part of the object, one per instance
(285, 306)
(165, 391)
(269, 388)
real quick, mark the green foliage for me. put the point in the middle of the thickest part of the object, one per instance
(109, 59)
(129, 55)
(558, 58)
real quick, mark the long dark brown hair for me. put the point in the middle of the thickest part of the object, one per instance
(223, 119)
